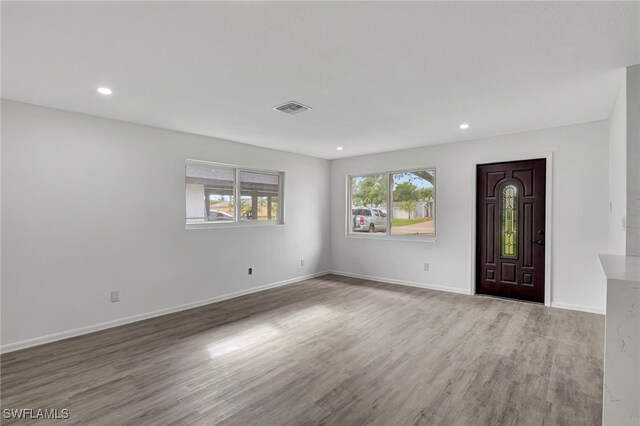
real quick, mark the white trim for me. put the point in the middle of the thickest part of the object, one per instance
(421, 238)
(403, 282)
(36, 341)
(229, 224)
(580, 308)
(548, 218)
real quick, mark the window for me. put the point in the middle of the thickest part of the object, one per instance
(413, 202)
(368, 193)
(509, 221)
(259, 193)
(211, 192)
(398, 203)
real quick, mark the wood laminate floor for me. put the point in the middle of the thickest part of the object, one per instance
(330, 350)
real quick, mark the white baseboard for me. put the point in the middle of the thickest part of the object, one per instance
(569, 306)
(581, 308)
(36, 341)
(403, 282)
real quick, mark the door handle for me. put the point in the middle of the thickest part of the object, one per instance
(539, 242)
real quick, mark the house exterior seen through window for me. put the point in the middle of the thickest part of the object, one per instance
(212, 192)
(393, 203)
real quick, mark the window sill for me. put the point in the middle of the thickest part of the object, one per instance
(413, 238)
(225, 225)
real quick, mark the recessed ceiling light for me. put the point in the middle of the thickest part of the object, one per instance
(104, 91)
(339, 148)
(464, 126)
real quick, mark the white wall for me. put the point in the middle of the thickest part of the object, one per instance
(91, 205)
(633, 161)
(580, 213)
(618, 173)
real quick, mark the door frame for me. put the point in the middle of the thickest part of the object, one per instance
(548, 155)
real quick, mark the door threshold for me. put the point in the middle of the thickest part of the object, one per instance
(509, 299)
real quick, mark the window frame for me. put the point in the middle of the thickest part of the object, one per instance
(237, 222)
(432, 238)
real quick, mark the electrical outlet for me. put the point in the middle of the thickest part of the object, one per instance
(301, 262)
(115, 296)
(250, 271)
(426, 267)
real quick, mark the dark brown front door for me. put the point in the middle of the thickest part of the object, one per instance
(510, 229)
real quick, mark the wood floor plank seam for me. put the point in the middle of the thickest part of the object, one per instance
(331, 350)
(88, 329)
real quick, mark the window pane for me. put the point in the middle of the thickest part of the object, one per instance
(209, 194)
(413, 204)
(509, 244)
(368, 204)
(259, 196)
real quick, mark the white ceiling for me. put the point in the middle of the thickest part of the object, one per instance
(379, 76)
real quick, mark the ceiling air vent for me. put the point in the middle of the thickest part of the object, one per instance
(291, 107)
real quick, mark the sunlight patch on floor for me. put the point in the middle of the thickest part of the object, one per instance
(253, 336)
